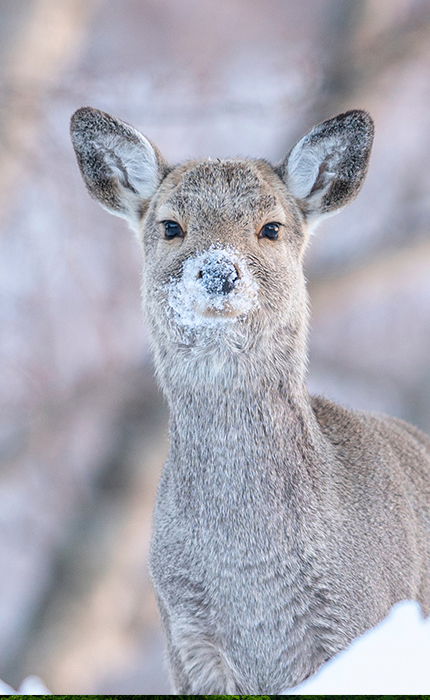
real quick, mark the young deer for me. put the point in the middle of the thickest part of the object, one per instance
(285, 525)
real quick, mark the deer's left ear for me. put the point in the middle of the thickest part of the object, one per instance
(120, 167)
(326, 168)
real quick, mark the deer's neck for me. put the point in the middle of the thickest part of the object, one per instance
(243, 416)
(244, 460)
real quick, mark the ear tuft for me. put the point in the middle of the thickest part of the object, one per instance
(327, 167)
(120, 167)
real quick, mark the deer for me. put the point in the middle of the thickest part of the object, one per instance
(285, 525)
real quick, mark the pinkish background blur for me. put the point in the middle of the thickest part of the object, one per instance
(83, 429)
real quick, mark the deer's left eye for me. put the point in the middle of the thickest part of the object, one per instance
(270, 231)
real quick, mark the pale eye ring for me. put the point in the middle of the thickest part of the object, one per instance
(270, 231)
(172, 230)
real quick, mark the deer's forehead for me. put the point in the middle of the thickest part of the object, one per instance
(228, 188)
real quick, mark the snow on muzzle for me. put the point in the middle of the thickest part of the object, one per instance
(219, 275)
(214, 287)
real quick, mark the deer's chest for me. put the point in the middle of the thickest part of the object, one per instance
(240, 587)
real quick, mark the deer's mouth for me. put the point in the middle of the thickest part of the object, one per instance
(213, 311)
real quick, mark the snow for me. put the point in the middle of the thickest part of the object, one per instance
(392, 658)
(32, 685)
(194, 307)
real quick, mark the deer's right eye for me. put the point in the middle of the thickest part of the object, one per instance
(172, 230)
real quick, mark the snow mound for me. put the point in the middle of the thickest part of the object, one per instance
(32, 685)
(392, 658)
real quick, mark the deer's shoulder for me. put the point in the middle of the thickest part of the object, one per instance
(366, 440)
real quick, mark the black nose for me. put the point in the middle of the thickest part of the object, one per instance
(218, 276)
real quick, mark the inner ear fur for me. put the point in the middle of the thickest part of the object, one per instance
(120, 167)
(326, 168)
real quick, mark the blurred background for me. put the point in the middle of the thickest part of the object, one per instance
(83, 428)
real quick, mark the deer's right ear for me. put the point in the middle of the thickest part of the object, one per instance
(120, 167)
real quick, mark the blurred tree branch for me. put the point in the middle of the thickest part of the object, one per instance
(351, 61)
(45, 40)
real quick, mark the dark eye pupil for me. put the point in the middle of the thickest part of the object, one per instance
(270, 231)
(172, 229)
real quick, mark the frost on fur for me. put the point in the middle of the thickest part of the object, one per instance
(195, 307)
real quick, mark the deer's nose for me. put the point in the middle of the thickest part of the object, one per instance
(219, 276)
